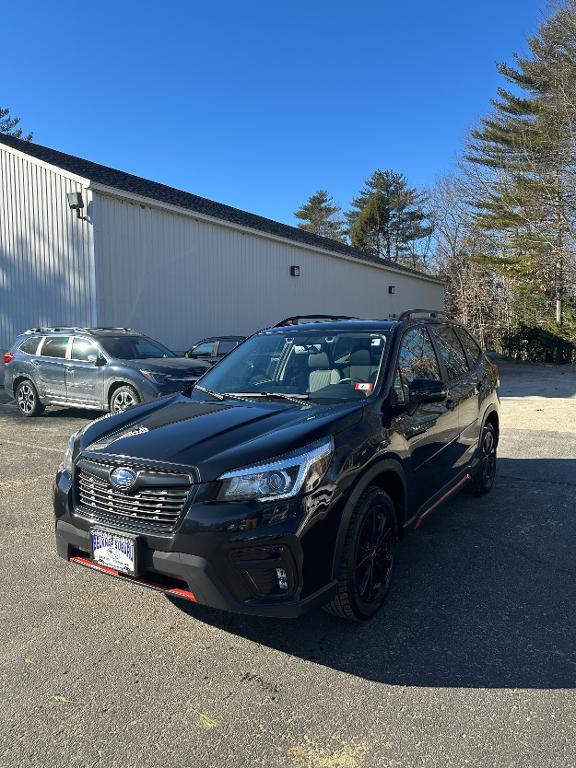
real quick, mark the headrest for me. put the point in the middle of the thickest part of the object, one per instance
(318, 361)
(360, 357)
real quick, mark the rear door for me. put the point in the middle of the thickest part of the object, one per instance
(430, 429)
(84, 379)
(51, 367)
(463, 388)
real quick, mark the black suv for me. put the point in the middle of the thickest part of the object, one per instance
(287, 476)
(99, 368)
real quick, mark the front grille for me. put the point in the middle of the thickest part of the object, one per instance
(155, 506)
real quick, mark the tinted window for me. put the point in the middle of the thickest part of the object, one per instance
(205, 349)
(417, 360)
(226, 346)
(82, 349)
(55, 346)
(30, 346)
(451, 350)
(472, 349)
(134, 347)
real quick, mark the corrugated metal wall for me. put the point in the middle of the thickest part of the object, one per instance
(179, 279)
(46, 270)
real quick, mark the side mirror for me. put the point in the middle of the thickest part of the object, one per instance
(427, 391)
(96, 360)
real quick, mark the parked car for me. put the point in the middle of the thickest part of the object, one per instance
(287, 477)
(100, 368)
(214, 348)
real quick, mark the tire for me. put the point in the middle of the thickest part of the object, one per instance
(366, 567)
(486, 473)
(122, 398)
(27, 399)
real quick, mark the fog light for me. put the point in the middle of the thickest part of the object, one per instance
(282, 578)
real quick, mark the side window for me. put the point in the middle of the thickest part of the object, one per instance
(472, 349)
(417, 360)
(82, 349)
(30, 346)
(55, 346)
(227, 346)
(203, 349)
(451, 350)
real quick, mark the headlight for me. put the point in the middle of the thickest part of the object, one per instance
(155, 376)
(279, 479)
(66, 463)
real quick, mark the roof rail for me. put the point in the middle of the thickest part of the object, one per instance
(110, 328)
(311, 319)
(410, 314)
(57, 329)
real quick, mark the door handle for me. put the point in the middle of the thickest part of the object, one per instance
(70, 368)
(35, 363)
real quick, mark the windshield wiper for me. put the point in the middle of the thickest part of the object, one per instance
(217, 395)
(292, 398)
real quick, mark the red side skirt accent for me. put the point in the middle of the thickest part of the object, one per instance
(185, 594)
(449, 492)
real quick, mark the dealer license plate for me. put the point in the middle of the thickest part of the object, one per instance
(114, 550)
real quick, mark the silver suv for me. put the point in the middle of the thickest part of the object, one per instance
(99, 368)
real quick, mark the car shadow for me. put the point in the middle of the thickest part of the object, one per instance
(483, 596)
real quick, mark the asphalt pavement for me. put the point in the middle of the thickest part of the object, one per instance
(472, 662)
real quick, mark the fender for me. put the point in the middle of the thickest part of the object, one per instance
(384, 465)
(490, 410)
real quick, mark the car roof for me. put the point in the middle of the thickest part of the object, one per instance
(89, 331)
(332, 326)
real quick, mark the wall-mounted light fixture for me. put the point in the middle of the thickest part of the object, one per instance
(295, 270)
(76, 203)
(391, 289)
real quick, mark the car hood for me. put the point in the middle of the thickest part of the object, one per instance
(213, 436)
(174, 366)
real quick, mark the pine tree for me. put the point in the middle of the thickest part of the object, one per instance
(389, 218)
(322, 216)
(9, 125)
(527, 151)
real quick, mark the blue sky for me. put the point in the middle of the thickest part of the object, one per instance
(259, 103)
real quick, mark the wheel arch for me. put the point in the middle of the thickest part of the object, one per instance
(387, 475)
(492, 417)
(114, 385)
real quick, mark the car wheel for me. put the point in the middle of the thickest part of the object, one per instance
(484, 479)
(367, 564)
(123, 398)
(27, 399)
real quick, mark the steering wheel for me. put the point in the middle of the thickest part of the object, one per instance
(352, 380)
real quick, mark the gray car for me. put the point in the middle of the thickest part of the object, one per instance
(106, 369)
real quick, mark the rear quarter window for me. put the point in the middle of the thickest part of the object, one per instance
(473, 350)
(30, 346)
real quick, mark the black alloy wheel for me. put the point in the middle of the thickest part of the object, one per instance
(487, 454)
(367, 563)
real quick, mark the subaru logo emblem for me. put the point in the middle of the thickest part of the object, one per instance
(123, 478)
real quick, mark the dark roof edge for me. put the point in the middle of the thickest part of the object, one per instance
(136, 185)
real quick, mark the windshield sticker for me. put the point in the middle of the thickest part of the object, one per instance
(364, 386)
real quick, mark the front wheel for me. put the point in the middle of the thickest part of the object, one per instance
(27, 399)
(484, 479)
(123, 398)
(367, 564)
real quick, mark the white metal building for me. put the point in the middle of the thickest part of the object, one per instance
(166, 262)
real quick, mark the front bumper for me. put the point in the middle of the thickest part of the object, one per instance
(229, 570)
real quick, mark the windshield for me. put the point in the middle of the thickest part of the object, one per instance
(335, 366)
(134, 347)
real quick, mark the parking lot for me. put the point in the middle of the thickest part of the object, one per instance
(472, 662)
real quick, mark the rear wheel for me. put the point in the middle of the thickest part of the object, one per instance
(27, 399)
(484, 479)
(123, 398)
(367, 564)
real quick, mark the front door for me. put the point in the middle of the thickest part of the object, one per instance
(84, 379)
(51, 368)
(428, 428)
